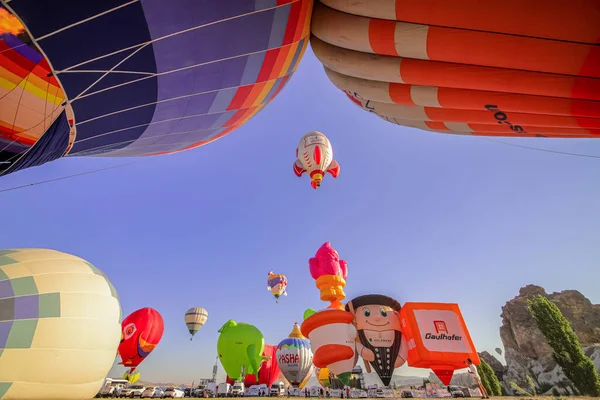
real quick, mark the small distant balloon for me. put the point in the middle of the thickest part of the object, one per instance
(277, 284)
(195, 318)
(499, 350)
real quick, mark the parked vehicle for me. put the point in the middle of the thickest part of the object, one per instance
(211, 389)
(257, 390)
(407, 394)
(112, 387)
(455, 391)
(224, 389)
(150, 391)
(173, 392)
(238, 389)
(277, 389)
(159, 394)
(132, 391)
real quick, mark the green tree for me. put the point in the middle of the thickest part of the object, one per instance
(495, 389)
(531, 385)
(565, 345)
(489, 380)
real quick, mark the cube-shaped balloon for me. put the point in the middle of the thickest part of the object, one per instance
(437, 337)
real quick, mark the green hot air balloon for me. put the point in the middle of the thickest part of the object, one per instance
(240, 346)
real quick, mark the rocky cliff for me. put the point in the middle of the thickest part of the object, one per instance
(526, 350)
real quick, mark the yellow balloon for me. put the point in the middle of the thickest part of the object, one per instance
(132, 378)
(61, 320)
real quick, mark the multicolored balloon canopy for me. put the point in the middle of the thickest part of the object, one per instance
(524, 69)
(277, 284)
(138, 78)
(141, 333)
(294, 357)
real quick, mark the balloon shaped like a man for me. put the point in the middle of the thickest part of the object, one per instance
(379, 337)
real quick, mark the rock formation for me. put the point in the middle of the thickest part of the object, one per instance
(494, 363)
(526, 349)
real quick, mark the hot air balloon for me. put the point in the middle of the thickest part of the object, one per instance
(141, 333)
(59, 325)
(377, 322)
(439, 338)
(195, 318)
(240, 347)
(132, 377)
(531, 69)
(330, 331)
(174, 76)
(277, 284)
(314, 155)
(499, 350)
(295, 357)
(269, 370)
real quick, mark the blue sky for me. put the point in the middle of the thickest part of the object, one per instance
(419, 216)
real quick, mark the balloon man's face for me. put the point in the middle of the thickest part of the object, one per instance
(377, 318)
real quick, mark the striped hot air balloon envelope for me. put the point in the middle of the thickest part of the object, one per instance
(195, 318)
(121, 78)
(526, 69)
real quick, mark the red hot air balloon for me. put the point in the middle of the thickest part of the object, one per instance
(141, 332)
(269, 370)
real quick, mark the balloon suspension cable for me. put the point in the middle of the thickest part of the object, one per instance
(67, 177)
(565, 153)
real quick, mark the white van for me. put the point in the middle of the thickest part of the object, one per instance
(223, 389)
(277, 389)
(258, 390)
(111, 387)
(238, 389)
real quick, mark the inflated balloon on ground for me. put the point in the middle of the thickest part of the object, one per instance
(439, 336)
(269, 370)
(240, 347)
(377, 322)
(55, 306)
(294, 357)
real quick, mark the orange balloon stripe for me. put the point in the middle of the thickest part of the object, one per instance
(575, 21)
(443, 74)
(486, 117)
(280, 61)
(303, 20)
(462, 98)
(505, 51)
(380, 34)
(426, 42)
(555, 19)
(496, 130)
(491, 115)
(431, 73)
